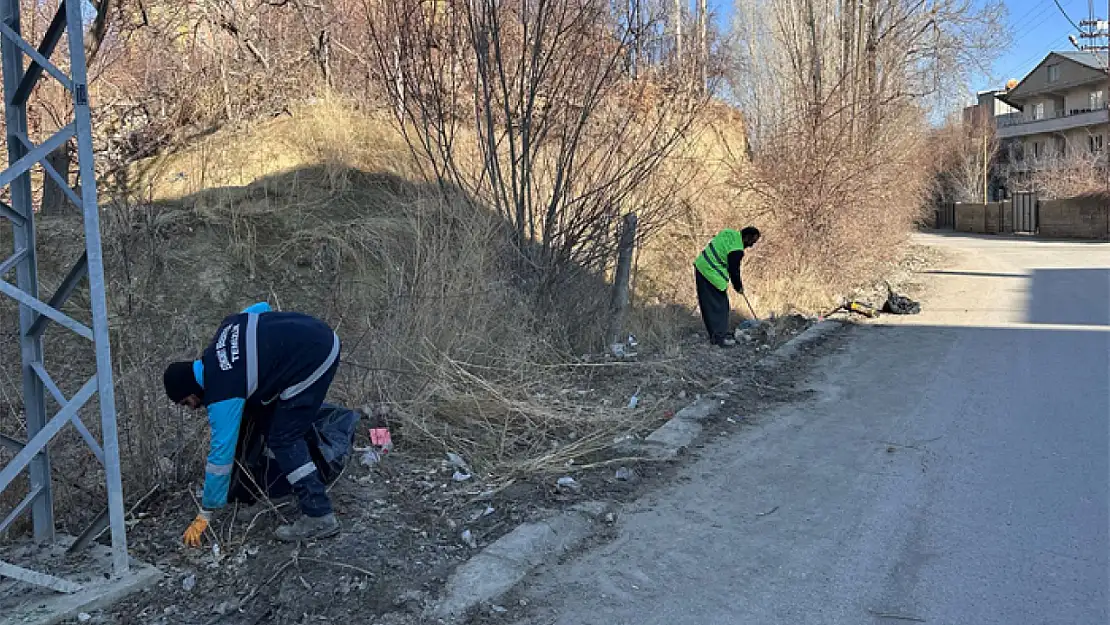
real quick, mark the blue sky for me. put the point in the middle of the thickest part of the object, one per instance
(1037, 26)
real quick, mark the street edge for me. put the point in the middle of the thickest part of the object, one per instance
(674, 437)
(503, 564)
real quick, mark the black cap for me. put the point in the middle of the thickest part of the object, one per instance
(180, 382)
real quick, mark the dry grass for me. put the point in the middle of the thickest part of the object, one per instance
(325, 212)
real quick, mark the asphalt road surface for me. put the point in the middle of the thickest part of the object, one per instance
(951, 468)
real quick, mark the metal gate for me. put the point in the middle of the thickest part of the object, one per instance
(946, 216)
(1025, 212)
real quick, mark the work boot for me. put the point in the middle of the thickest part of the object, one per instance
(308, 528)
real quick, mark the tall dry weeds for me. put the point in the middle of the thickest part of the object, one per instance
(419, 284)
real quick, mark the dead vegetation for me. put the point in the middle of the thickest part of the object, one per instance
(1081, 173)
(451, 211)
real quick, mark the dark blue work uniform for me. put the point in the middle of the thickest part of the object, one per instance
(260, 360)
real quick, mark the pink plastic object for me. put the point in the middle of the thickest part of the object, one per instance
(379, 437)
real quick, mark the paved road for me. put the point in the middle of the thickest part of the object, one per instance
(951, 469)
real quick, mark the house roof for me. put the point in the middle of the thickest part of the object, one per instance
(1090, 60)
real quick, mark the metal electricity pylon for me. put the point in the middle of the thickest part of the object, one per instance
(23, 66)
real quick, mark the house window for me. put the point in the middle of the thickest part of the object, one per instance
(1038, 111)
(1061, 147)
(1094, 142)
(1097, 100)
(1053, 73)
(1038, 149)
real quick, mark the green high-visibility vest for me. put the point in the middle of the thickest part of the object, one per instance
(713, 260)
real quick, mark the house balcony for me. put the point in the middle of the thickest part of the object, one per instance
(1049, 163)
(1014, 126)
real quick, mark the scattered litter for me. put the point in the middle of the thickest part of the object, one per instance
(459, 476)
(731, 420)
(228, 606)
(468, 538)
(189, 583)
(625, 474)
(860, 308)
(568, 483)
(481, 513)
(610, 518)
(370, 456)
(381, 438)
(84, 616)
(456, 461)
(626, 349)
(899, 304)
(624, 438)
(381, 443)
(633, 402)
(682, 394)
(500, 609)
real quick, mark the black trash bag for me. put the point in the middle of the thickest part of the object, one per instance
(256, 472)
(900, 304)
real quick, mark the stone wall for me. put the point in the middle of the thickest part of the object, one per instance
(970, 217)
(1082, 217)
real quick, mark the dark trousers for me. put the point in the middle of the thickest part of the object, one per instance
(291, 421)
(714, 308)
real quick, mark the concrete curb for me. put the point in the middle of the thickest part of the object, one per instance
(790, 349)
(503, 564)
(676, 435)
(39, 607)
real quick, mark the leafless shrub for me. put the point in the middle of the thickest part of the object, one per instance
(528, 109)
(1080, 173)
(837, 95)
(965, 161)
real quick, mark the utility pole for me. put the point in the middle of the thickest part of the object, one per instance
(703, 43)
(677, 17)
(986, 166)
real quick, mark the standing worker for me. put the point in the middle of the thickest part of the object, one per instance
(262, 362)
(717, 264)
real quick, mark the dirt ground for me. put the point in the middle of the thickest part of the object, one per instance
(407, 523)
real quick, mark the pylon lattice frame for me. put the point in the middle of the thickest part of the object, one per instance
(35, 315)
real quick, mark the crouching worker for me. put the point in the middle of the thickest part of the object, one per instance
(718, 264)
(261, 362)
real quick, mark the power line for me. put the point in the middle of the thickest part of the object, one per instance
(1032, 23)
(1036, 57)
(1066, 16)
(1039, 5)
(1031, 15)
(1026, 25)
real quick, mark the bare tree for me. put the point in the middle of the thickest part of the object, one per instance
(1079, 172)
(965, 160)
(529, 108)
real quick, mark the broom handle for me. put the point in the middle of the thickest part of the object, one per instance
(749, 306)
